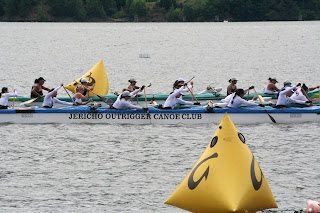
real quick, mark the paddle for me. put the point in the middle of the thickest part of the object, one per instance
(306, 94)
(192, 94)
(68, 94)
(213, 89)
(30, 101)
(104, 99)
(190, 80)
(271, 118)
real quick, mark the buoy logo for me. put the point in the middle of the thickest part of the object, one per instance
(256, 184)
(191, 184)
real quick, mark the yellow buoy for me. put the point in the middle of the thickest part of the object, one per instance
(97, 76)
(226, 178)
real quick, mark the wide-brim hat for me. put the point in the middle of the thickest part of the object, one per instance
(126, 94)
(41, 79)
(132, 80)
(286, 82)
(84, 80)
(180, 80)
(233, 79)
(274, 79)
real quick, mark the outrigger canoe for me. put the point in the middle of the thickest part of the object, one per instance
(194, 115)
(151, 97)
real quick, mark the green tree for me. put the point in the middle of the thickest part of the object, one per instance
(167, 4)
(2, 8)
(220, 8)
(58, 8)
(174, 14)
(95, 9)
(194, 10)
(110, 6)
(138, 7)
(41, 11)
(75, 9)
(120, 3)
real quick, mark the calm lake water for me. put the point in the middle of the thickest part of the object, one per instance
(135, 168)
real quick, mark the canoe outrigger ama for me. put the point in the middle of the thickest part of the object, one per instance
(194, 115)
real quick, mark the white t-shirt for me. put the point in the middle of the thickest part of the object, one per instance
(49, 100)
(228, 98)
(298, 95)
(172, 101)
(238, 101)
(5, 96)
(284, 100)
(122, 103)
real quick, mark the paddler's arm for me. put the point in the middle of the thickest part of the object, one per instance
(129, 105)
(182, 90)
(45, 88)
(313, 88)
(135, 92)
(56, 100)
(12, 94)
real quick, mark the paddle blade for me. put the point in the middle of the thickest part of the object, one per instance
(272, 119)
(260, 99)
(29, 102)
(97, 76)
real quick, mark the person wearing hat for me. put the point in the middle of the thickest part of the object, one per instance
(174, 99)
(232, 86)
(123, 100)
(178, 83)
(132, 87)
(302, 93)
(4, 96)
(85, 84)
(50, 99)
(271, 87)
(235, 100)
(79, 97)
(36, 90)
(286, 85)
(284, 97)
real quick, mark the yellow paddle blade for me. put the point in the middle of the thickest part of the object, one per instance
(97, 76)
(226, 178)
(261, 99)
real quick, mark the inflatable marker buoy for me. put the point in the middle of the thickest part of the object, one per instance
(313, 206)
(226, 178)
(97, 78)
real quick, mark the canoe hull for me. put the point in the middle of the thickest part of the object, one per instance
(198, 115)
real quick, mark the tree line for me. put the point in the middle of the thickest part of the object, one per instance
(159, 10)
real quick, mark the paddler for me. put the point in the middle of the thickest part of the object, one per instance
(233, 87)
(4, 96)
(174, 99)
(236, 100)
(178, 83)
(50, 99)
(302, 93)
(271, 87)
(284, 97)
(123, 100)
(79, 97)
(132, 86)
(36, 90)
(85, 84)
